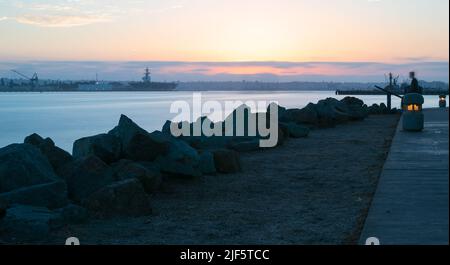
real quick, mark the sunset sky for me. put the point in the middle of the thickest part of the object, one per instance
(392, 32)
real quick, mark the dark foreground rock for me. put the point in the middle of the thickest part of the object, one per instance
(24, 222)
(138, 144)
(23, 165)
(55, 155)
(123, 198)
(376, 109)
(331, 109)
(150, 177)
(306, 115)
(73, 214)
(85, 176)
(226, 161)
(50, 195)
(182, 160)
(107, 147)
(356, 109)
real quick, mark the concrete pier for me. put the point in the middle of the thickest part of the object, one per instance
(411, 203)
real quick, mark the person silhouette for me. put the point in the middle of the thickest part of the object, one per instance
(414, 88)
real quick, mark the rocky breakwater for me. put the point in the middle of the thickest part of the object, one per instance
(114, 174)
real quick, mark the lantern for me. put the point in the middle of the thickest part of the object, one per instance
(412, 112)
(442, 101)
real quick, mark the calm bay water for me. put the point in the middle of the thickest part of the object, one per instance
(68, 116)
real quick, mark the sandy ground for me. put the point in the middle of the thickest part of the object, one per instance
(315, 190)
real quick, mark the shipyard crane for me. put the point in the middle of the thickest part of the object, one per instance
(34, 80)
(389, 89)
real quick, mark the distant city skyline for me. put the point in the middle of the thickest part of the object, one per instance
(227, 71)
(226, 40)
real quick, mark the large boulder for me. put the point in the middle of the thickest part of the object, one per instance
(374, 109)
(107, 147)
(356, 109)
(55, 155)
(182, 160)
(138, 144)
(306, 115)
(150, 177)
(332, 109)
(85, 176)
(352, 101)
(24, 222)
(123, 198)
(73, 214)
(23, 165)
(226, 161)
(51, 195)
(126, 130)
(384, 109)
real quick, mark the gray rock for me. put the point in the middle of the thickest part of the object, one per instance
(166, 127)
(149, 177)
(138, 144)
(23, 165)
(384, 109)
(296, 130)
(34, 139)
(50, 195)
(123, 198)
(182, 160)
(55, 155)
(85, 176)
(126, 130)
(24, 222)
(374, 109)
(207, 163)
(306, 115)
(73, 214)
(332, 109)
(226, 161)
(107, 147)
(142, 147)
(356, 109)
(352, 101)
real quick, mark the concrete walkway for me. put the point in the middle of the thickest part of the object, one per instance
(411, 204)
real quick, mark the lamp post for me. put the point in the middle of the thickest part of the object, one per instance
(442, 101)
(412, 112)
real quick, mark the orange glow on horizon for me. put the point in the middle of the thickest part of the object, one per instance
(313, 69)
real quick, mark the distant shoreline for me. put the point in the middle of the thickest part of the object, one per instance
(355, 88)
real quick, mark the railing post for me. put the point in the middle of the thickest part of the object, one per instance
(388, 100)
